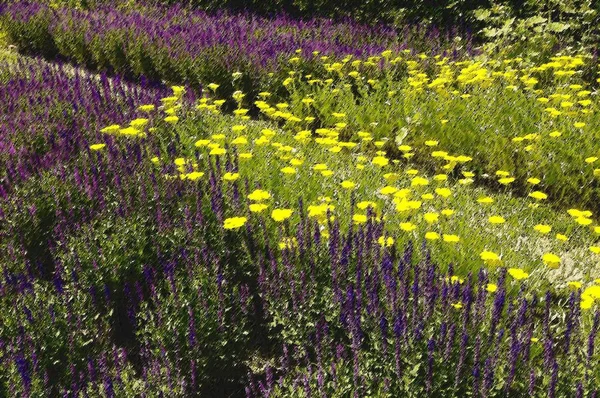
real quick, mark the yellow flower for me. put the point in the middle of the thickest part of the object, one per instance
(595, 249)
(490, 257)
(240, 141)
(431, 143)
(97, 147)
(146, 108)
(562, 237)
(579, 125)
(537, 195)
(259, 195)
(388, 190)
(407, 226)
(447, 212)
(543, 228)
(201, 143)
(574, 285)
(457, 306)
(443, 192)
(419, 181)
(518, 273)
(234, 222)
(193, 176)
(432, 235)
(231, 176)
(359, 218)
(506, 180)
(288, 170)
(172, 119)
(551, 260)
(139, 123)
(281, 214)
(430, 218)
(113, 128)
(583, 220)
(491, 287)
(385, 242)
(496, 220)
(366, 204)
(451, 238)
(485, 200)
(257, 207)
(380, 161)
(533, 181)
(217, 151)
(348, 184)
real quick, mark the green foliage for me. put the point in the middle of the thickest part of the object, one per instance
(535, 29)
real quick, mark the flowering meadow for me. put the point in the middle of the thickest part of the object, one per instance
(227, 205)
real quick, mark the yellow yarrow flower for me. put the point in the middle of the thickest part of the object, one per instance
(348, 184)
(259, 195)
(518, 273)
(97, 147)
(496, 220)
(537, 195)
(491, 287)
(231, 176)
(551, 260)
(490, 258)
(451, 238)
(257, 207)
(281, 214)
(234, 222)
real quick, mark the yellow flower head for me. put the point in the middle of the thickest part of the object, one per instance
(491, 287)
(281, 214)
(359, 218)
(385, 242)
(496, 220)
(234, 222)
(451, 238)
(551, 260)
(537, 195)
(259, 195)
(490, 257)
(97, 147)
(432, 235)
(518, 273)
(258, 207)
(443, 192)
(407, 226)
(231, 176)
(348, 184)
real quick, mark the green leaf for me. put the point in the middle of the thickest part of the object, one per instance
(481, 14)
(537, 19)
(558, 27)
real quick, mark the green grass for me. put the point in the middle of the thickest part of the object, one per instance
(6, 54)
